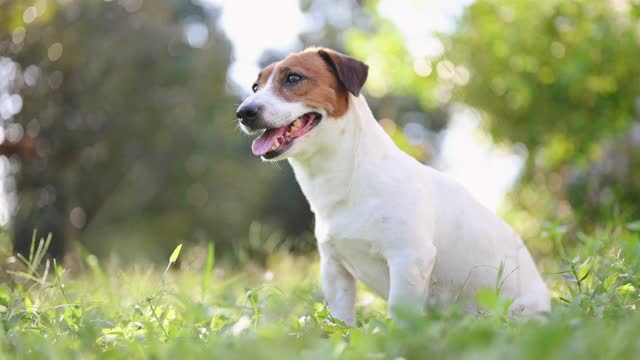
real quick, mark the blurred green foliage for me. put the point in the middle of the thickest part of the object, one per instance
(129, 113)
(557, 75)
(559, 78)
(125, 133)
(137, 312)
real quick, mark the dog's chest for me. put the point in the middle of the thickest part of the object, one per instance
(358, 238)
(364, 260)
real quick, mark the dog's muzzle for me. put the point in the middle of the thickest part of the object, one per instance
(249, 115)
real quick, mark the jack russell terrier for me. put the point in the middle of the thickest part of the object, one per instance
(410, 233)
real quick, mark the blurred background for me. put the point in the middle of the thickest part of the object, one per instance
(118, 134)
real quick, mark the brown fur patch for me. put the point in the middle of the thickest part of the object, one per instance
(263, 76)
(319, 87)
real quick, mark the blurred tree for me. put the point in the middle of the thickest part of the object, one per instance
(559, 77)
(126, 105)
(612, 180)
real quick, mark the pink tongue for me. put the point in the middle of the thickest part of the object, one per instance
(263, 144)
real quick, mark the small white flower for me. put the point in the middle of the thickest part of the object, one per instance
(241, 325)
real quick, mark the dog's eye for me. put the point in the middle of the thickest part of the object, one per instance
(293, 78)
(254, 87)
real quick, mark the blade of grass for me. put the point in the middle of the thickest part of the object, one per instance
(60, 284)
(172, 259)
(206, 273)
(33, 244)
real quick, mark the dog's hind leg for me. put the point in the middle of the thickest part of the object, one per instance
(533, 304)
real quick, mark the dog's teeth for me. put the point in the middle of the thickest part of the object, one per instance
(296, 123)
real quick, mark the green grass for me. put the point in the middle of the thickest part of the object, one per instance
(201, 311)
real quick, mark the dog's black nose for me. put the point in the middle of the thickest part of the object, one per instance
(248, 114)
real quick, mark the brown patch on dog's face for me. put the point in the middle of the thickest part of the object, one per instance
(313, 77)
(263, 76)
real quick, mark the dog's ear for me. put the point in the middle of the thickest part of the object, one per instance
(350, 72)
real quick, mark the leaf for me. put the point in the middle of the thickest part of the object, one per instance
(488, 300)
(323, 313)
(23, 275)
(610, 281)
(28, 305)
(586, 261)
(175, 254)
(586, 274)
(626, 289)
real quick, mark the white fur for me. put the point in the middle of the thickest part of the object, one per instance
(410, 233)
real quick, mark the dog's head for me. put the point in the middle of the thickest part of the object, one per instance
(295, 98)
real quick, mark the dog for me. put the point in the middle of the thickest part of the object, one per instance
(408, 232)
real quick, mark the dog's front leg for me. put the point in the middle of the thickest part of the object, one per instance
(409, 274)
(339, 288)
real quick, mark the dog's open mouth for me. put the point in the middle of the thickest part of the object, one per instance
(274, 142)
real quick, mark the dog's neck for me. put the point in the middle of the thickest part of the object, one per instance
(353, 143)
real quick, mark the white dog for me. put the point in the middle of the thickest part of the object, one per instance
(408, 232)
